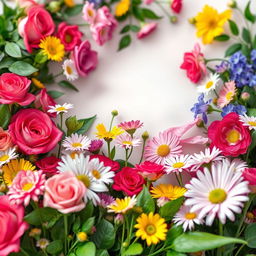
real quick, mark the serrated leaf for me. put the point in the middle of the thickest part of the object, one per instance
(124, 42)
(222, 38)
(5, 116)
(247, 13)
(55, 94)
(149, 14)
(145, 201)
(233, 27)
(246, 35)
(66, 84)
(233, 49)
(22, 68)
(134, 249)
(170, 208)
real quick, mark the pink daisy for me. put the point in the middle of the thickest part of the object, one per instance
(27, 185)
(95, 146)
(131, 126)
(105, 200)
(127, 141)
(226, 94)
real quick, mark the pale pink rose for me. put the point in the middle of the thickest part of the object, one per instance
(26, 4)
(89, 13)
(12, 226)
(146, 30)
(44, 101)
(85, 59)
(14, 89)
(34, 132)
(65, 193)
(5, 140)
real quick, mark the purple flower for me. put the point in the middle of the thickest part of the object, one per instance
(239, 109)
(224, 66)
(105, 200)
(95, 146)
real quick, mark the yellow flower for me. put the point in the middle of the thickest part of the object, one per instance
(104, 134)
(53, 48)
(11, 169)
(151, 228)
(168, 191)
(122, 7)
(122, 205)
(37, 83)
(69, 3)
(209, 23)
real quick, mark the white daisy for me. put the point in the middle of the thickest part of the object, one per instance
(126, 141)
(249, 121)
(60, 108)
(217, 193)
(237, 165)
(76, 142)
(187, 218)
(177, 163)
(69, 70)
(7, 155)
(209, 84)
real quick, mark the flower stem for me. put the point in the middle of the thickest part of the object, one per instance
(66, 232)
(61, 124)
(215, 59)
(109, 151)
(178, 179)
(142, 152)
(111, 123)
(126, 157)
(219, 250)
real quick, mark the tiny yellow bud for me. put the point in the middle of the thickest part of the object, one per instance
(173, 19)
(54, 6)
(114, 113)
(125, 244)
(232, 4)
(192, 20)
(145, 135)
(82, 236)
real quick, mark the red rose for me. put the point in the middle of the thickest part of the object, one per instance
(230, 135)
(48, 165)
(129, 181)
(176, 6)
(150, 170)
(115, 166)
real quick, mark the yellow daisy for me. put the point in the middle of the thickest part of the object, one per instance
(122, 205)
(108, 135)
(151, 228)
(11, 169)
(53, 48)
(209, 23)
(167, 191)
(122, 7)
(69, 3)
(37, 83)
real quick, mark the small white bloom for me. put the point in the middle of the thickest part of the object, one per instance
(209, 84)
(70, 70)
(249, 121)
(76, 142)
(60, 108)
(177, 163)
(126, 141)
(42, 243)
(7, 155)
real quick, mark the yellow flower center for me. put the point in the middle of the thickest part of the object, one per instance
(68, 38)
(60, 109)
(217, 196)
(4, 158)
(233, 136)
(212, 24)
(27, 186)
(127, 142)
(209, 84)
(252, 123)
(190, 215)
(85, 179)
(150, 229)
(51, 49)
(90, 13)
(69, 70)
(73, 155)
(76, 145)
(96, 174)
(178, 165)
(229, 96)
(163, 150)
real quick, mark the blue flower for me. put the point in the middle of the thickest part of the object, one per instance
(239, 109)
(201, 107)
(224, 65)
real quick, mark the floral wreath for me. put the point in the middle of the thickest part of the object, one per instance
(63, 193)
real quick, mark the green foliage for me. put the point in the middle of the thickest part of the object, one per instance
(68, 85)
(149, 14)
(246, 35)
(172, 234)
(233, 49)
(13, 50)
(87, 123)
(134, 249)
(55, 94)
(86, 249)
(73, 11)
(5, 116)
(124, 42)
(87, 226)
(222, 38)
(145, 201)
(233, 27)
(248, 14)
(170, 208)
(250, 235)
(54, 247)
(22, 68)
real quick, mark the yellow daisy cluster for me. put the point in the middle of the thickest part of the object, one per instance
(122, 7)
(107, 135)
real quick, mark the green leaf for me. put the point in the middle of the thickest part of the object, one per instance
(247, 13)
(134, 249)
(55, 94)
(13, 50)
(41, 57)
(124, 42)
(122, 163)
(174, 253)
(145, 201)
(149, 14)
(21, 44)
(233, 27)
(250, 235)
(125, 29)
(251, 111)
(76, 225)
(66, 84)
(87, 212)
(5, 116)
(135, 28)
(202, 241)
(86, 249)
(73, 125)
(54, 247)
(246, 50)
(102, 253)
(1, 56)
(87, 123)
(22, 68)
(170, 208)
(222, 38)
(138, 13)
(87, 226)
(173, 233)
(113, 153)
(246, 35)
(253, 143)
(73, 11)
(6, 62)
(233, 49)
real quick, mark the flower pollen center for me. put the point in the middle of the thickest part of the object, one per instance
(127, 142)
(150, 229)
(69, 70)
(68, 38)
(77, 145)
(178, 165)
(217, 196)
(27, 186)
(190, 215)
(60, 109)
(163, 150)
(4, 158)
(233, 136)
(209, 85)
(85, 179)
(229, 96)
(252, 123)
(96, 174)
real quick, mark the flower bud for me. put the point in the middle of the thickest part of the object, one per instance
(119, 219)
(192, 20)
(114, 113)
(173, 19)
(145, 135)
(232, 4)
(245, 96)
(125, 244)
(54, 6)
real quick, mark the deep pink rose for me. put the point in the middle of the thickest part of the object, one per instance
(48, 165)
(69, 35)
(150, 170)
(249, 175)
(146, 30)
(44, 101)
(230, 135)
(12, 226)
(37, 25)
(104, 25)
(5, 140)
(65, 193)
(85, 59)
(34, 132)
(194, 64)
(176, 5)
(129, 181)
(14, 89)
(115, 166)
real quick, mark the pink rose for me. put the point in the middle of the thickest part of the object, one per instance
(89, 13)
(12, 226)
(37, 25)
(34, 132)
(26, 4)
(69, 35)
(176, 5)
(65, 193)
(146, 30)
(129, 181)
(104, 25)
(5, 140)
(150, 170)
(194, 64)
(14, 89)
(85, 59)
(230, 135)
(48, 165)
(44, 101)
(249, 175)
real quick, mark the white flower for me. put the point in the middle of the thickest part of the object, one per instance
(209, 84)
(76, 142)
(187, 218)
(126, 141)
(69, 70)
(7, 155)
(177, 163)
(249, 121)
(60, 108)
(42, 243)
(237, 165)
(219, 192)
